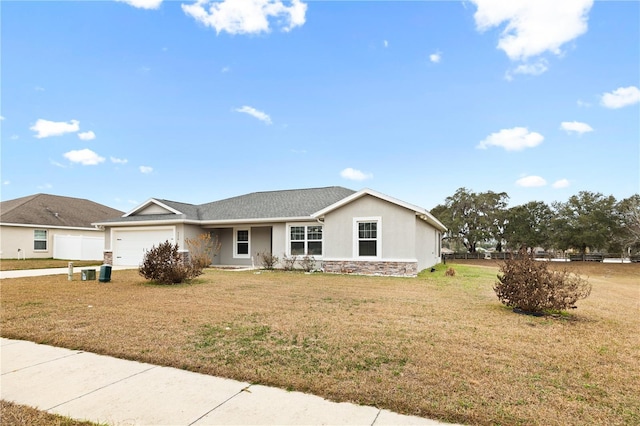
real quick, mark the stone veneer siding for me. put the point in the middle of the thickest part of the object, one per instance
(376, 267)
(108, 258)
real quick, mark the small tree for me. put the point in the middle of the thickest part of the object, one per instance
(165, 265)
(203, 249)
(529, 285)
(268, 260)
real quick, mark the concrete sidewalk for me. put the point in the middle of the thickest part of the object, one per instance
(102, 389)
(55, 271)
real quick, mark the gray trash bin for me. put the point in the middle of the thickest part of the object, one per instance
(105, 274)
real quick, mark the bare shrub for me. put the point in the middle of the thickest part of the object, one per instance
(268, 260)
(308, 263)
(165, 265)
(203, 249)
(289, 262)
(529, 285)
(450, 272)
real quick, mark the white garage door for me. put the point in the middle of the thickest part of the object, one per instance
(130, 246)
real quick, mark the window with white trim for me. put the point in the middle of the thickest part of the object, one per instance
(305, 240)
(241, 243)
(368, 239)
(40, 239)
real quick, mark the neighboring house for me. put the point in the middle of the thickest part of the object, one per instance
(345, 231)
(51, 226)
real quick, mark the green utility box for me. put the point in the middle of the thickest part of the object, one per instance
(105, 274)
(88, 274)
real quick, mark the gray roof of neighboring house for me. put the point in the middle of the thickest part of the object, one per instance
(293, 203)
(54, 211)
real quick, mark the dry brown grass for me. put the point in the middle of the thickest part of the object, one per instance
(21, 264)
(20, 415)
(436, 346)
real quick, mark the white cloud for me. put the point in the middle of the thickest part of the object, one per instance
(621, 97)
(118, 160)
(562, 183)
(435, 57)
(87, 136)
(145, 169)
(385, 43)
(55, 163)
(255, 113)
(515, 139)
(38, 89)
(46, 128)
(531, 181)
(225, 69)
(353, 174)
(45, 186)
(575, 127)
(535, 68)
(86, 157)
(533, 27)
(583, 104)
(1, 117)
(143, 4)
(14, 137)
(6, 182)
(247, 16)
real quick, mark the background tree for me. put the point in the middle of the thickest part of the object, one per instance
(529, 226)
(472, 217)
(627, 235)
(585, 221)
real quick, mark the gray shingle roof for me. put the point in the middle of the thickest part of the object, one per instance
(274, 204)
(55, 210)
(293, 203)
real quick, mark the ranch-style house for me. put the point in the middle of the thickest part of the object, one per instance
(346, 231)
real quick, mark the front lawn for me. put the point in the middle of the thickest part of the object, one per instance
(21, 264)
(435, 346)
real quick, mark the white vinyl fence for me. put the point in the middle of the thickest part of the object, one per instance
(77, 247)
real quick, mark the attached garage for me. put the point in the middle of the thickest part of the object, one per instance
(130, 245)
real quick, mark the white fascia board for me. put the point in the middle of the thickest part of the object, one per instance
(27, 225)
(147, 223)
(148, 203)
(255, 220)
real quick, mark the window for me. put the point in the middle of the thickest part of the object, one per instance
(306, 240)
(241, 243)
(367, 239)
(39, 239)
(367, 233)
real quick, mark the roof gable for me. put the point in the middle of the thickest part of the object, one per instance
(54, 211)
(420, 212)
(151, 207)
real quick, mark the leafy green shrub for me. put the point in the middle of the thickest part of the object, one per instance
(165, 265)
(268, 260)
(528, 285)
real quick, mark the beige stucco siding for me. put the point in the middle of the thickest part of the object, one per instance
(279, 242)
(427, 245)
(153, 209)
(19, 237)
(398, 236)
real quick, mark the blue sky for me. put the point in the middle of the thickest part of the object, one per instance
(196, 101)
